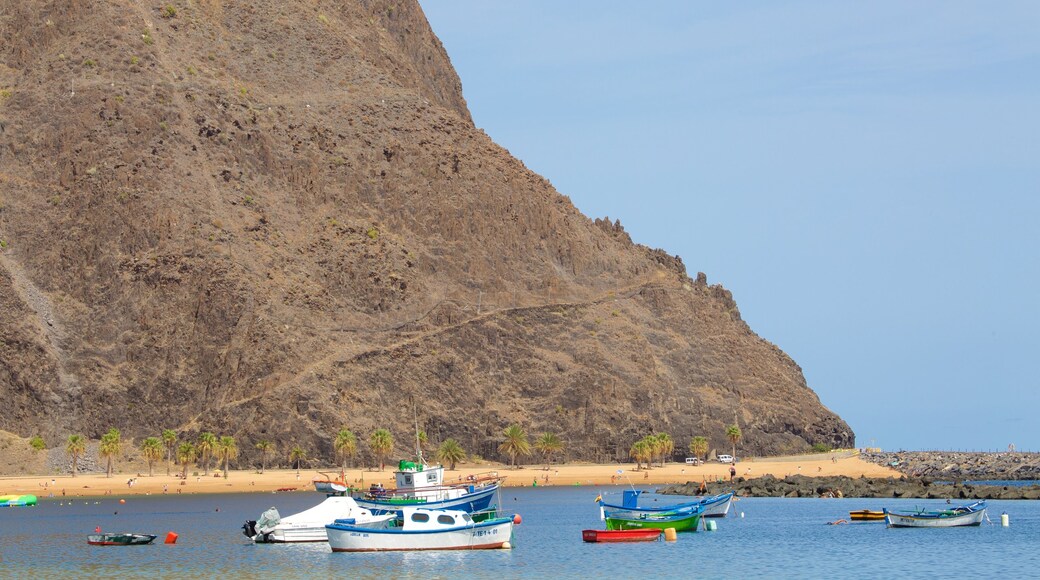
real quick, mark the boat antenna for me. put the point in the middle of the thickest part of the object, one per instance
(418, 448)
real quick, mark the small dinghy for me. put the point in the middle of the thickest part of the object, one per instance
(120, 539)
(610, 536)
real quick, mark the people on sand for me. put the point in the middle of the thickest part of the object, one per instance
(732, 472)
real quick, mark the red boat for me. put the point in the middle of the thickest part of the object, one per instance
(638, 535)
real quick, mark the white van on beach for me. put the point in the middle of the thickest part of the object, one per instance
(727, 459)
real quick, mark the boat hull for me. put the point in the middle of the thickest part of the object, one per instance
(488, 535)
(959, 517)
(476, 501)
(710, 507)
(866, 516)
(617, 536)
(120, 539)
(682, 523)
(309, 525)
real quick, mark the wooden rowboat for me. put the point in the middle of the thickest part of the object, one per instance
(609, 536)
(866, 515)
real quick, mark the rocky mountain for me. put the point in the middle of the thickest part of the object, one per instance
(273, 220)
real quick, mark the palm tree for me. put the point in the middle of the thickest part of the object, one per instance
(76, 446)
(548, 444)
(641, 451)
(206, 445)
(186, 453)
(265, 447)
(382, 443)
(515, 444)
(451, 452)
(733, 434)
(346, 446)
(152, 449)
(699, 446)
(169, 440)
(109, 448)
(297, 455)
(665, 446)
(227, 450)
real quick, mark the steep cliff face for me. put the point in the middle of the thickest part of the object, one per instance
(273, 221)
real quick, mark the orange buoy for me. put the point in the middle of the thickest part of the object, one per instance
(122, 501)
(517, 520)
(171, 538)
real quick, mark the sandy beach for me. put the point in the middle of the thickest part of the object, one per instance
(242, 481)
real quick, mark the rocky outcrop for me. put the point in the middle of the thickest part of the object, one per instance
(960, 465)
(841, 486)
(274, 221)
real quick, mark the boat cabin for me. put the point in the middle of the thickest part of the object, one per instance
(412, 475)
(419, 519)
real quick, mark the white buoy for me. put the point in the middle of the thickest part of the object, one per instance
(1004, 520)
(741, 514)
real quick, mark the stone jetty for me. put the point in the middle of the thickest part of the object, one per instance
(842, 486)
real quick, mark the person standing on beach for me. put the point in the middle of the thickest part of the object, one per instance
(732, 472)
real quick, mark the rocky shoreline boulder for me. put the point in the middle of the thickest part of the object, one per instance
(956, 466)
(842, 486)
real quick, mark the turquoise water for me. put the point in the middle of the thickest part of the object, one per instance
(776, 537)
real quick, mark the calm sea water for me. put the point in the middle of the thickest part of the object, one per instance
(776, 537)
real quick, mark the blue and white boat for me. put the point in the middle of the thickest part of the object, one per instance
(423, 529)
(418, 484)
(716, 506)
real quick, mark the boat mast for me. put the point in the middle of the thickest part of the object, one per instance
(418, 449)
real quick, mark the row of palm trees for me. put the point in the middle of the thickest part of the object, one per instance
(206, 446)
(345, 443)
(661, 446)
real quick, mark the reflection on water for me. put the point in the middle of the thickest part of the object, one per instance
(775, 537)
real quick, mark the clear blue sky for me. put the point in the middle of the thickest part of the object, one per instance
(864, 177)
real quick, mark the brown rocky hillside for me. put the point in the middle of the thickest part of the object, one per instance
(275, 219)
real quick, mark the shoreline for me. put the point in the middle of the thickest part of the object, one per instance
(46, 487)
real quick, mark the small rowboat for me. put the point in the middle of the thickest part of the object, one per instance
(969, 515)
(120, 539)
(610, 536)
(866, 515)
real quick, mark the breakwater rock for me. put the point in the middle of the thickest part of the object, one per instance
(842, 486)
(960, 465)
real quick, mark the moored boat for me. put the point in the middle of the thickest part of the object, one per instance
(17, 500)
(423, 529)
(120, 539)
(629, 520)
(968, 515)
(309, 525)
(866, 515)
(418, 484)
(329, 485)
(611, 536)
(715, 506)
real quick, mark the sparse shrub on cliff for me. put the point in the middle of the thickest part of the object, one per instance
(323, 19)
(821, 448)
(373, 233)
(36, 442)
(169, 11)
(147, 37)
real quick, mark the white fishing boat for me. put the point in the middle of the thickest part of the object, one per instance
(969, 515)
(419, 484)
(423, 529)
(309, 525)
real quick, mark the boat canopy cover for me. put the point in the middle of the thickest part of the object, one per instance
(268, 520)
(406, 465)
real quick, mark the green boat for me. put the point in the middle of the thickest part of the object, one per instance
(627, 520)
